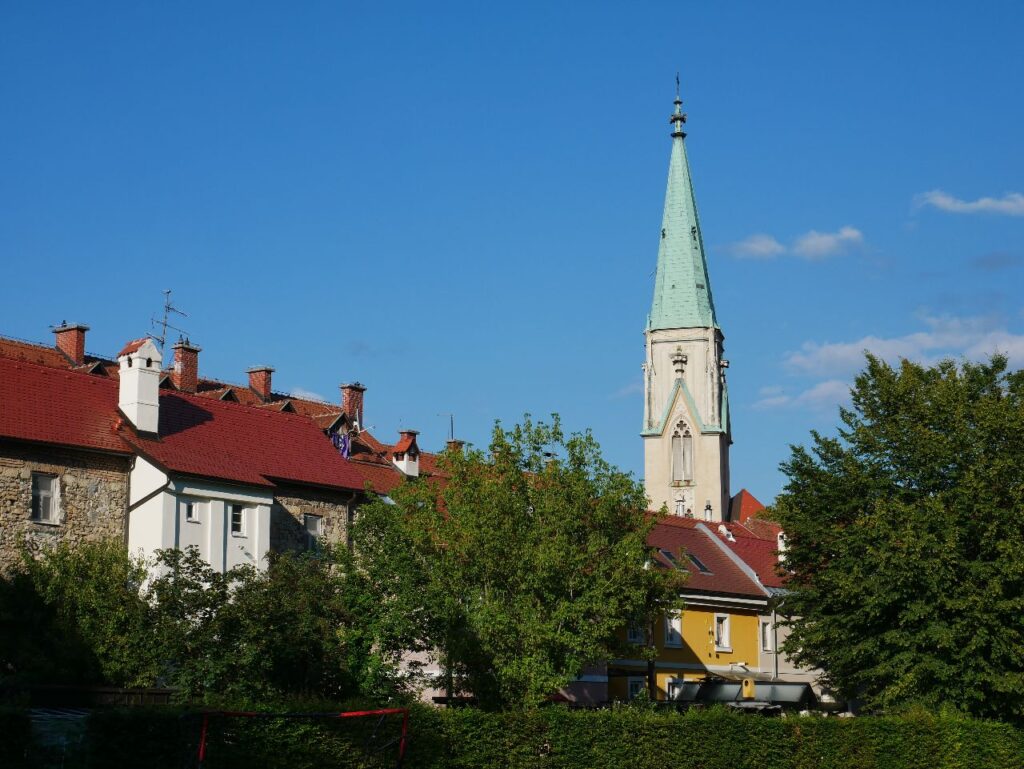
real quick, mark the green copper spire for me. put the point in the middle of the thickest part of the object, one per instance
(682, 292)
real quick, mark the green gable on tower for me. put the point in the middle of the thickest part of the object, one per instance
(682, 291)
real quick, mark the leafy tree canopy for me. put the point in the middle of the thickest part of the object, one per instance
(518, 570)
(905, 539)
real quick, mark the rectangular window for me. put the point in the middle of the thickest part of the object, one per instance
(722, 632)
(45, 498)
(238, 520)
(636, 686)
(674, 630)
(674, 688)
(314, 525)
(766, 636)
(636, 635)
(190, 510)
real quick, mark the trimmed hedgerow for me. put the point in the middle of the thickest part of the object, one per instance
(557, 738)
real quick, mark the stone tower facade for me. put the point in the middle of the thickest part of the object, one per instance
(686, 403)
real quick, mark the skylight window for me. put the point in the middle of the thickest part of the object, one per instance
(698, 563)
(668, 556)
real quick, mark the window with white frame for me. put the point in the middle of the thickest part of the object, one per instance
(190, 510)
(635, 686)
(238, 520)
(722, 632)
(314, 525)
(674, 630)
(766, 636)
(45, 498)
(635, 635)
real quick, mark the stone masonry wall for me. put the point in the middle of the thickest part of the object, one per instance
(291, 504)
(93, 493)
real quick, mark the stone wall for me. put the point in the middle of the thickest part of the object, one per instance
(292, 504)
(93, 493)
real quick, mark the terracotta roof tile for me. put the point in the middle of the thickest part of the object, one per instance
(132, 346)
(66, 408)
(198, 435)
(685, 535)
(33, 353)
(214, 439)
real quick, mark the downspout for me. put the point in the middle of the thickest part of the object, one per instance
(127, 500)
(775, 646)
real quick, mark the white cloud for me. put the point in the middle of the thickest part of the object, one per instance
(1010, 204)
(759, 246)
(300, 392)
(818, 245)
(821, 396)
(974, 338)
(631, 389)
(825, 395)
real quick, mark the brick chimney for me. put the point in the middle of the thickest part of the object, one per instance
(70, 340)
(352, 403)
(455, 446)
(259, 381)
(186, 366)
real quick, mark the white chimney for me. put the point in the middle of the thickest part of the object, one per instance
(406, 454)
(139, 396)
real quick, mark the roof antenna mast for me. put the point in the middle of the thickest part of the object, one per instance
(451, 425)
(163, 325)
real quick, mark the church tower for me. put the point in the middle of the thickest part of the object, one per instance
(686, 404)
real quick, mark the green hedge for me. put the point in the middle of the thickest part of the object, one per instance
(556, 738)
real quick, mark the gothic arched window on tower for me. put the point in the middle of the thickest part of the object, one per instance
(682, 454)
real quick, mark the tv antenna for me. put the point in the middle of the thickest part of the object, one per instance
(451, 424)
(163, 325)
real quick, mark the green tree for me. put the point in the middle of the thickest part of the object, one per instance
(74, 615)
(905, 540)
(519, 569)
(292, 630)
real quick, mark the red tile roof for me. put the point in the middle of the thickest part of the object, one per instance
(198, 436)
(33, 353)
(744, 505)
(760, 555)
(215, 439)
(681, 536)
(761, 528)
(66, 408)
(366, 448)
(404, 444)
(132, 346)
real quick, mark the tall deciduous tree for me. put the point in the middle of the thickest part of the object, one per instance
(905, 539)
(518, 570)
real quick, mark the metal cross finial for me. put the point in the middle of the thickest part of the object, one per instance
(678, 117)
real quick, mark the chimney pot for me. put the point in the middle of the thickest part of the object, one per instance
(259, 381)
(185, 374)
(70, 340)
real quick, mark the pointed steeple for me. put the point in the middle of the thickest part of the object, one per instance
(682, 291)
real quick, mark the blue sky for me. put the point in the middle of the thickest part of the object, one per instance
(458, 203)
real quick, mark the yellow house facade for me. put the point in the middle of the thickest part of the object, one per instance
(720, 631)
